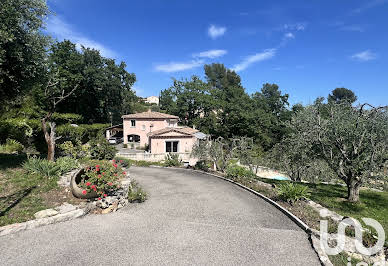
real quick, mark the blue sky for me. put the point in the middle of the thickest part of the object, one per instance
(306, 47)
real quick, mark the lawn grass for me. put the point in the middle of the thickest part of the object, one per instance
(23, 194)
(129, 162)
(372, 204)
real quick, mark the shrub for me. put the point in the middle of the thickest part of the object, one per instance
(291, 192)
(75, 150)
(66, 164)
(100, 149)
(11, 146)
(202, 165)
(124, 162)
(69, 132)
(235, 172)
(102, 177)
(93, 131)
(48, 169)
(136, 193)
(125, 146)
(172, 160)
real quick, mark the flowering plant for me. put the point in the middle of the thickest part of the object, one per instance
(102, 177)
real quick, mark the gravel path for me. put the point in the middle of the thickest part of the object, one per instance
(190, 218)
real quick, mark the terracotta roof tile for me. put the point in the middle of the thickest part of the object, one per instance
(151, 115)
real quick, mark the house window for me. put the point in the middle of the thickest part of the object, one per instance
(133, 138)
(171, 146)
(133, 123)
(143, 127)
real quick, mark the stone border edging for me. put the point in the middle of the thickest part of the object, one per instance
(62, 217)
(314, 241)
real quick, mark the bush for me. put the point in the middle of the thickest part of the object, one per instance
(93, 131)
(28, 132)
(125, 146)
(71, 133)
(11, 146)
(100, 149)
(75, 150)
(235, 172)
(136, 193)
(124, 162)
(102, 177)
(42, 167)
(83, 132)
(202, 165)
(172, 160)
(291, 192)
(66, 164)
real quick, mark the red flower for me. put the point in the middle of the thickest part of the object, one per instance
(93, 186)
(121, 161)
(113, 160)
(110, 183)
(87, 184)
(97, 166)
(99, 198)
(84, 192)
(124, 173)
(115, 174)
(103, 173)
(99, 176)
(94, 189)
(105, 195)
(115, 165)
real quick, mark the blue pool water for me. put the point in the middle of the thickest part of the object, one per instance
(279, 177)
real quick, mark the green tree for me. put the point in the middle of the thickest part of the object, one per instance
(342, 94)
(271, 111)
(105, 88)
(351, 140)
(22, 46)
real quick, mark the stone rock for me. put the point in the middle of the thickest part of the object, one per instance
(321, 253)
(45, 213)
(64, 180)
(112, 208)
(13, 228)
(65, 207)
(355, 256)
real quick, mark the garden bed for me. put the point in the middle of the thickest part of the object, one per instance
(23, 194)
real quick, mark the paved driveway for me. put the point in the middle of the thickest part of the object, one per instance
(190, 218)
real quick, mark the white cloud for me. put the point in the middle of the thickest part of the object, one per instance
(368, 5)
(296, 26)
(178, 66)
(211, 53)
(366, 55)
(61, 30)
(289, 35)
(356, 28)
(249, 60)
(215, 31)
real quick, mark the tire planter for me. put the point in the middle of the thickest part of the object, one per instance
(76, 190)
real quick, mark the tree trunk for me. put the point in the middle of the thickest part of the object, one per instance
(353, 191)
(50, 138)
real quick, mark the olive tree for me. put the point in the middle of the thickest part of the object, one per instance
(351, 140)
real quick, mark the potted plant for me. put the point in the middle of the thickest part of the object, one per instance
(99, 179)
